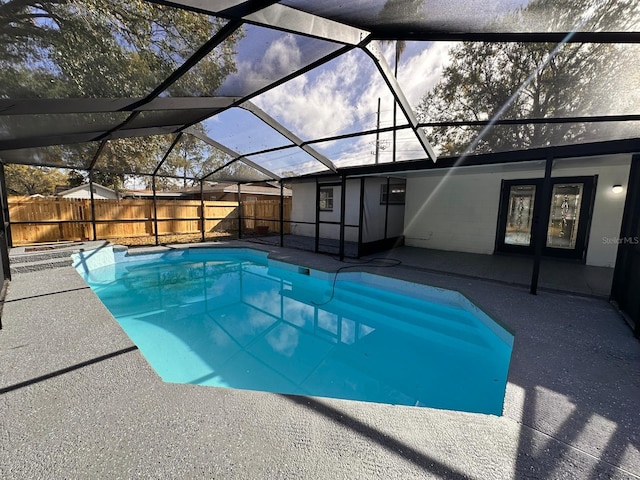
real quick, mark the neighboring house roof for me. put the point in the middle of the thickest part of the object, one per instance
(85, 186)
(149, 193)
(252, 190)
(247, 189)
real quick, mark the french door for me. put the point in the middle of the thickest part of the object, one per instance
(571, 204)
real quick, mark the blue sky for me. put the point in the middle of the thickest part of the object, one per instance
(337, 98)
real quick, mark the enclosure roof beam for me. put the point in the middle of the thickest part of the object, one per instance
(70, 138)
(222, 8)
(303, 23)
(141, 174)
(374, 52)
(51, 106)
(221, 35)
(429, 35)
(166, 155)
(221, 167)
(97, 155)
(321, 61)
(280, 17)
(288, 134)
(534, 121)
(235, 155)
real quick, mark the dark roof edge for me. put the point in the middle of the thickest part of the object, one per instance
(564, 151)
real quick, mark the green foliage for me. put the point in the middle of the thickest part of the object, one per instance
(487, 81)
(75, 178)
(27, 180)
(190, 159)
(109, 49)
(104, 48)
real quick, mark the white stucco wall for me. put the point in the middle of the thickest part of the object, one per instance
(459, 212)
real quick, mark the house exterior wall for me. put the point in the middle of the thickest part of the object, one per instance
(459, 212)
(304, 210)
(98, 194)
(374, 212)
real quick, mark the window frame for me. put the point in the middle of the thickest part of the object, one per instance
(328, 200)
(391, 201)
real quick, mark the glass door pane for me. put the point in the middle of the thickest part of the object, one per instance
(566, 201)
(520, 215)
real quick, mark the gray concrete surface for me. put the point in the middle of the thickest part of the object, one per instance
(555, 274)
(77, 400)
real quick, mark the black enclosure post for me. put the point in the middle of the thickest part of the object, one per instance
(202, 217)
(541, 222)
(361, 216)
(239, 212)
(155, 208)
(281, 214)
(5, 208)
(343, 205)
(93, 207)
(386, 208)
(317, 244)
(4, 234)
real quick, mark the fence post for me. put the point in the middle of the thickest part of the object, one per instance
(93, 207)
(155, 209)
(60, 224)
(281, 214)
(317, 239)
(5, 207)
(239, 213)
(203, 219)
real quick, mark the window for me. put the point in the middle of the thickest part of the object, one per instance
(326, 199)
(251, 199)
(397, 194)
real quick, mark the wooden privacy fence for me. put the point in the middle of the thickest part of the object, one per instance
(36, 220)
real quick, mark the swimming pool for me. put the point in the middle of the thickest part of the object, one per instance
(234, 318)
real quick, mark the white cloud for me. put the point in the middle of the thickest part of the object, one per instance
(420, 73)
(284, 340)
(282, 57)
(343, 97)
(315, 106)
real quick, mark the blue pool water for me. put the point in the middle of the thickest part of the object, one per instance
(234, 319)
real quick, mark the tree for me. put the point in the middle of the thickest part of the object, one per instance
(486, 81)
(106, 49)
(27, 180)
(75, 178)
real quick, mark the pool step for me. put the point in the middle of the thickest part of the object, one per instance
(440, 323)
(439, 308)
(431, 315)
(429, 326)
(40, 261)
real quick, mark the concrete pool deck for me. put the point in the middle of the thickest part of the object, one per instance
(77, 400)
